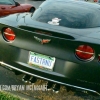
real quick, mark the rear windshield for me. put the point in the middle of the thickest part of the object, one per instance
(68, 15)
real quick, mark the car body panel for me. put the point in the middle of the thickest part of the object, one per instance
(8, 9)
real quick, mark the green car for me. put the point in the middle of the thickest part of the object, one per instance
(59, 42)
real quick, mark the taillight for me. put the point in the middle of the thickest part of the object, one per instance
(85, 52)
(8, 34)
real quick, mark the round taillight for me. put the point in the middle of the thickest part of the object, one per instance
(8, 34)
(85, 52)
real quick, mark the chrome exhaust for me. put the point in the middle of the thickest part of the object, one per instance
(56, 88)
(49, 85)
(33, 79)
(26, 78)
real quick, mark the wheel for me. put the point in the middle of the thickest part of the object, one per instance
(32, 10)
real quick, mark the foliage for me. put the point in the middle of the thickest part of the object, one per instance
(8, 96)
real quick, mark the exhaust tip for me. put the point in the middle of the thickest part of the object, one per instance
(33, 79)
(26, 78)
(56, 88)
(49, 85)
(17, 72)
(68, 89)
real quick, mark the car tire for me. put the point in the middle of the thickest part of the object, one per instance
(32, 10)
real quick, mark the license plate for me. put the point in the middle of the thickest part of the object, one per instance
(41, 61)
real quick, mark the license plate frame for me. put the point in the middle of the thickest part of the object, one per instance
(41, 61)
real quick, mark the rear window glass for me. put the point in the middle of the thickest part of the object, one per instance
(68, 15)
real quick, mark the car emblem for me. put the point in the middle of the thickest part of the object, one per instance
(42, 41)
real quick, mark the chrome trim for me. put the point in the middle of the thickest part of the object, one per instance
(84, 52)
(8, 34)
(4, 64)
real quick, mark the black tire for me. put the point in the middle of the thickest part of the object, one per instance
(32, 10)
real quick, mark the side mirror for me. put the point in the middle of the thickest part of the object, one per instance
(17, 4)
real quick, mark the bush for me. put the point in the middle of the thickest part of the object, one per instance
(8, 96)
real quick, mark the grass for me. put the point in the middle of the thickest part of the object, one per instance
(8, 96)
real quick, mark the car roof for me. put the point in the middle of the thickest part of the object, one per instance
(78, 3)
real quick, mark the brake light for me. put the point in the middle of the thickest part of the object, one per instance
(8, 34)
(85, 52)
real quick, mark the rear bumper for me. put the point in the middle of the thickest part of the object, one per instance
(83, 76)
(55, 78)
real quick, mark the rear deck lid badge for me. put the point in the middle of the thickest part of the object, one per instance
(42, 41)
(55, 21)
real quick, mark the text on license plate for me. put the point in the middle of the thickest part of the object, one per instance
(41, 60)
